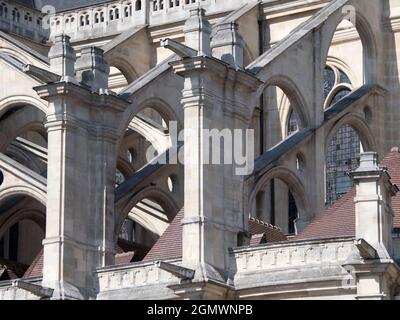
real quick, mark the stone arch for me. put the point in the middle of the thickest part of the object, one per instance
(27, 119)
(297, 101)
(292, 180)
(365, 32)
(18, 189)
(357, 123)
(125, 67)
(24, 214)
(16, 101)
(155, 194)
(159, 105)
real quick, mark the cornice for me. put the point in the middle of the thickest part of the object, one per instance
(105, 100)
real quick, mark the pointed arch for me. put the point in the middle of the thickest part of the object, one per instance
(297, 101)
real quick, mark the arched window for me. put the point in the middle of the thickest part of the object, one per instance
(117, 13)
(344, 148)
(3, 10)
(28, 17)
(138, 5)
(82, 21)
(97, 17)
(112, 16)
(368, 114)
(102, 18)
(16, 15)
(343, 155)
(337, 85)
(87, 19)
(300, 162)
(293, 125)
(126, 10)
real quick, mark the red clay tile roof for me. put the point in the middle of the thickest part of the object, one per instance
(36, 268)
(126, 257)
(257, 239)
(169, 245)
(339, 220)
(392, 162)
(336, 221)
(271, 233)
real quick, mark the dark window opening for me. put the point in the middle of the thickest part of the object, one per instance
(13, 251)
(293, 213)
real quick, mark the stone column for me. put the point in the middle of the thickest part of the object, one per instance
(373, 204)
(81, 125)
(374, 269)
(214, 215)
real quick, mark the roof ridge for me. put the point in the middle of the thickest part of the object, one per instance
(266, 224)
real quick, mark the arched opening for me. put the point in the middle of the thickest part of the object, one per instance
(350, 63)
(300, 162)
(138, 5)
(342, 156)
(146, 137)
(276, 105)
(275, 204)
(117, 81)
(150, 114)
(368, 115)
(22, 230)
(144, 217)
(351, 55)
(25, 137)
(148, 216)
(282, 113)
(144, 223)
